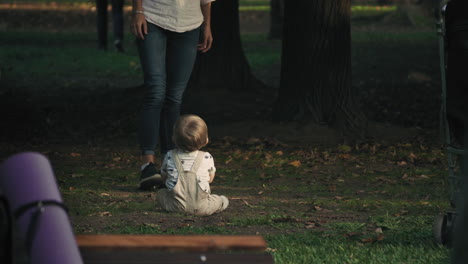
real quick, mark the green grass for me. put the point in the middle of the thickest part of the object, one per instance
(336, 249)
(357, 10)
(262, 53)
(59, 54)
(369, 10)
(254, 8)
(153, 229)
(403, 240)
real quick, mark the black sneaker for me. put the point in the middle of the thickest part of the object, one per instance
(150, 178)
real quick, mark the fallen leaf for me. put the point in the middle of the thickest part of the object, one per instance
(105, 194)
(296, 163)
(412, 157)
(279, 153)
(75, 155)
(151, 225)
(107, 213)
(402, 163)
(71, 188)
(270, 249)
(312, 223)
(268, 157)
(317, 208)
(246, 203)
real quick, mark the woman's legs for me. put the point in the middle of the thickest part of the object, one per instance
(167, 60)
(180, 57)
(152, 52)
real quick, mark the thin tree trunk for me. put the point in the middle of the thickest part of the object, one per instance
(316, 66)
(276, 19)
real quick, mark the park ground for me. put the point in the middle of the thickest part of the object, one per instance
(314, 196)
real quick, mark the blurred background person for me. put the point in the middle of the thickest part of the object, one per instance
(117, 23)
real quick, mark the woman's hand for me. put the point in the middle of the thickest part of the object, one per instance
(139, 26)
(207, 39)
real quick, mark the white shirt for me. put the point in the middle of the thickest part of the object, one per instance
(175, 15)
(187, 159)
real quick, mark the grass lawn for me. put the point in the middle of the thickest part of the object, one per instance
(370, 202)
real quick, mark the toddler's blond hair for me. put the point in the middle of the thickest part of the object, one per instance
(190, 133)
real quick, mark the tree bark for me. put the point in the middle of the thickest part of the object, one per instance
(225, 65)
(315, 80)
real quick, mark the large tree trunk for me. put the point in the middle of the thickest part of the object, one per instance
(225, 65)
(316, 66)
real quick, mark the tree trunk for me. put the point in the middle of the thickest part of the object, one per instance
(315, 80)
(276, 19)
(457, 61)
(225, 65)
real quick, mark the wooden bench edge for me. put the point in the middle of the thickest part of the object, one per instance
(190, 243)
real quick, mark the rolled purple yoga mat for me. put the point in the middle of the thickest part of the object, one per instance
(27, 178)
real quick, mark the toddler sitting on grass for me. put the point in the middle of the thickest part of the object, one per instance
(187, 171)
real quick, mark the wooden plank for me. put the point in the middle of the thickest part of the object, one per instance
(152, 257)
(198, 243)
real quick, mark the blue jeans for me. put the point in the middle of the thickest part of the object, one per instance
(167, 59)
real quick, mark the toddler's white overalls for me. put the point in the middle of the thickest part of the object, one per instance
(187, 196)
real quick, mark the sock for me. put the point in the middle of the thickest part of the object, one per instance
(144, 165)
